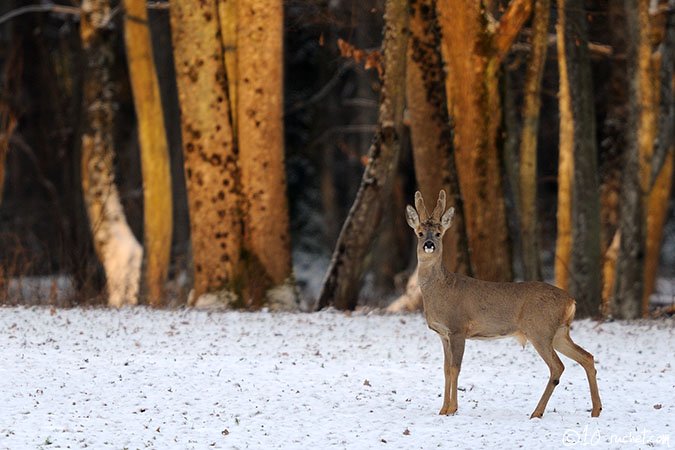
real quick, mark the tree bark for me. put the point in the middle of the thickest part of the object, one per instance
(613, 146)
(472, 53)
(528, 142)
(8, 119)
(261, 153)
(157, 200)
(227, 15)
(117, 248)
(431, 130)
(209, 152)
(666, 109)
(630, 261)
(577, 139)
(656, 212)
(658, 161)
(342, 281)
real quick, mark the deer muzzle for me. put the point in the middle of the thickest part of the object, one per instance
(429, 247)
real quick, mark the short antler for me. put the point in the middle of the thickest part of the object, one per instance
(440, 206)
(421, 209)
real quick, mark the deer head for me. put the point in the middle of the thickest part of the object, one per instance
(429, 229)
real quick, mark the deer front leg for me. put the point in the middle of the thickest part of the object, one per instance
(453, 349)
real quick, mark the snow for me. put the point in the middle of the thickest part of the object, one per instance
(141, 378)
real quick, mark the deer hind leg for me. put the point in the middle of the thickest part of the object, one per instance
(544, 347)
(565, 345)
(453, 348)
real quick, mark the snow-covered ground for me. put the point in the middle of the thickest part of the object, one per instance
(138, 378)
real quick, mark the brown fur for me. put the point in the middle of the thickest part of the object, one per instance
(458, 307)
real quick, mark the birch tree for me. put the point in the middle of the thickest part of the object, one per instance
(116, 247)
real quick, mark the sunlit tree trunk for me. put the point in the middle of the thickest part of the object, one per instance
(342, 282)
(431, 130)
(157, 200)
(473, 49)
(117, 248)
(579, 204)
(209, 152)
(656, 210)
(661, 164)
(528, 142)
(431, 134)
(260, 136)
(227, 15)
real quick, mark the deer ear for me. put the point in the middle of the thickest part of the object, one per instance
(411, 217)
(446, 220)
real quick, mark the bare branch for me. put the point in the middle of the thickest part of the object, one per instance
(510, 24)
(70, 10)
(61, 9)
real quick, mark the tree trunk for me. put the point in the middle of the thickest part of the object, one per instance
(227, 15)
(431, 132)
(472, 53)
(8, 119)
(661, 167)
(261, 153)
(613, 146)
(116, 246)
(666, 109)
(209, 151)
(528, 142)
(656, 212)
(577, 138)
(157, 200)
(630, 261)
(341, 285)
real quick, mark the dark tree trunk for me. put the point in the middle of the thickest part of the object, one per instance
(575, 74)
(613, 146)
(529, 225)
(629, 265)
(666, 112)
(342, 281)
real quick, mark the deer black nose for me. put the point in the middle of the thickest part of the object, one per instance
(429, 247)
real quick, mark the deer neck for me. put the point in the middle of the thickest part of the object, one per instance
(431, 271)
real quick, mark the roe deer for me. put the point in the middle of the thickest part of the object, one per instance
(458, 307)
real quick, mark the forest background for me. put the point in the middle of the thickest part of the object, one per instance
(260, 153)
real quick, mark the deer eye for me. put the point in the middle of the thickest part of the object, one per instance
(438, 235)
(420, 234)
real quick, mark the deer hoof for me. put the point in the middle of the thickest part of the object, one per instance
(596, 412)
(447, 411)
(536, 415)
